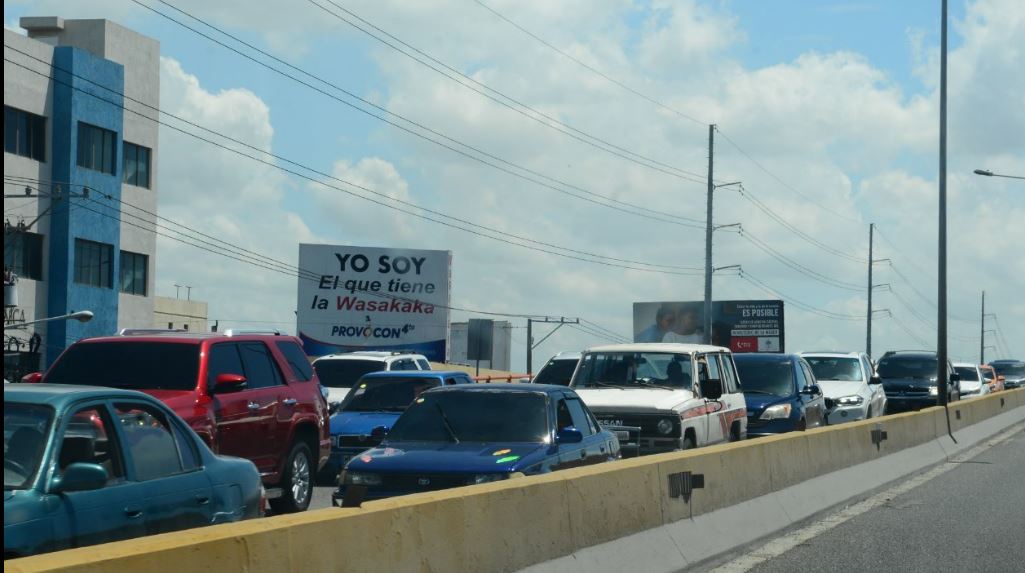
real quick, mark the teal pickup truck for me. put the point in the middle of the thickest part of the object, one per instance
(85, 465)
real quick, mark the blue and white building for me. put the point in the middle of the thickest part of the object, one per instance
(80, 174)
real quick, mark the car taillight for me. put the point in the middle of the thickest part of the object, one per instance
(263, 500)
(33, 378)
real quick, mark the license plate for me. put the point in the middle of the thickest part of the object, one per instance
(610, 422)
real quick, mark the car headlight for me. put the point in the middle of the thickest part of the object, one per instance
(488, 478)
(665, 426)
(360, 478)
(777, 412)
(850, 400)
(934, 391)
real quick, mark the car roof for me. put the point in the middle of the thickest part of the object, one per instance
(415, 374)
(909, 354)
(57, 395)
(767, 356)
(568, 355)
(666, 347)
(1006, 361)
(965, 365)
(375, 355)
(156, 335)
(503, 388)
(830, 354)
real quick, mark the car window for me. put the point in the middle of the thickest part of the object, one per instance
(474, 416)
(423, 364)
(451, 381)
(133, 364)
(261, 370)
(89, 438)
(26, 428)
(808, 374)
(967, 373)
(730, 384)
(766, 374)
(802, 378)
(581, 420)
(563, 417)
(392, 394)
(223, 359)
(344, 373)
(869, 372)
(149, 441)
(297, 360)
(557, 371)
(711, 367)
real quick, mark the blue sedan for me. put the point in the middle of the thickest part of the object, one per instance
(780, 392)
(371, 407)
(469, 434)
(86, 465)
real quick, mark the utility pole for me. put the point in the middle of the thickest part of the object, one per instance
(708, 239)
(982, 332)
(941, 298)
(559, 322)
(530, 347)
(868, 329)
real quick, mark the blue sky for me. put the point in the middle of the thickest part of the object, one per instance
(836, 98)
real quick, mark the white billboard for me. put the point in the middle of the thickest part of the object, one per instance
(369, 298)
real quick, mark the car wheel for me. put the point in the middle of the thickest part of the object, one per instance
(868, 414)
(296, 483)
(688, 443)
(802, 425)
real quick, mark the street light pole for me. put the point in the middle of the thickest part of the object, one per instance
(941, 287)
(988, 173)
(708, 240)
(982, 332)
(80, 316)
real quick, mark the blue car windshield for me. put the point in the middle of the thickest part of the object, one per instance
(385, 394)
(26, 427)
(474, 417)
(774, 377)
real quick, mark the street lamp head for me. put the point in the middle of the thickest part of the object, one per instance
(82, 315)
(983, 172)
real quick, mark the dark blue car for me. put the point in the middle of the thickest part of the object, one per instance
(371, 407)
(85, 465)
(780, 392)
(469, 434)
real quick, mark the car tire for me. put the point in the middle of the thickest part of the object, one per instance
(802, 425)
(296, 481)
(688, 443)
(868, 413)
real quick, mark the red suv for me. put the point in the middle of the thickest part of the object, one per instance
(251, 395)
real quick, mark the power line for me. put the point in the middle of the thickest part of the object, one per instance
(909, 332)
(796, 302)
(485, 158)
(463, 224)
(589, 67)
(802, 269)
(504, 100)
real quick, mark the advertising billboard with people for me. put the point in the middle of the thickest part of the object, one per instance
(740, 325)
(368, 298)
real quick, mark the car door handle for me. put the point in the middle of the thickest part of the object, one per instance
(202, 499)
(583, 454)
(290, 401)
(133, 512)
(253, 406)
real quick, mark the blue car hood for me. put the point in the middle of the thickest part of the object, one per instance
(442, 457)
(349, 423)
(757, 403)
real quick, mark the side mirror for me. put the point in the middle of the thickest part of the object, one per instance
(812, 390)
(955, 377)
(711, 388)
(227, 383)
(81, 477)
(875, 379)
(379, 432)
(33, 378)
(569, 435)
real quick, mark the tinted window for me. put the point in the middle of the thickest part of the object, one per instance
(149, 441)
(94, 263)
(967, 373)
(136, 165)
(97, 148)
(404, 364)
(261, 371)
(581, 420)
(24, 133)
(297, 360)
(344, 373)
(133, 273)
(135, 365)
(223, 359)
(771, 375)
(23, 253)
(634, 369)
(187, 448)
(556, 372)
(423, 364)
(385, 394)
(26, 428)
(474, 416)
(1009, 369)
(89, 438)
(809, 376)
(907, 367)
(844, 369)
(987, 374)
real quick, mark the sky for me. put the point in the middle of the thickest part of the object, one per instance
(827, 111)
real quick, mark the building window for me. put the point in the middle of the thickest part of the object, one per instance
(136, 165)
(97, 148)
(24, 133)
(133, 273)
(94, 263)
(23, 254)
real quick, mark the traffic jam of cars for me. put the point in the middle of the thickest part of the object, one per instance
(153, 431)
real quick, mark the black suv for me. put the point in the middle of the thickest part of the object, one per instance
(909, 379)
(1013, 372)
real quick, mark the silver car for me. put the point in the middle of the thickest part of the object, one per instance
(850, 386)
(972, 381)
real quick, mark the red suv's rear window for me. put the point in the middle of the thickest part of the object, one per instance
(133, 365)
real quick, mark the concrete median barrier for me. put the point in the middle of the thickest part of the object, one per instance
(567, 519)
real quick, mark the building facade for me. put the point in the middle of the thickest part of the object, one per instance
(179, 314)
(80, 173)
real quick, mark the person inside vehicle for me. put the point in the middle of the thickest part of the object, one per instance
(675, 375)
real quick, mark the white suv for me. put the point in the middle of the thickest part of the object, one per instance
(681, 396)
(339, 372)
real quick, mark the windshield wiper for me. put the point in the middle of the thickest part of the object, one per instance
(608, 385)
(759, 392)
(653, 385)
(448, 425)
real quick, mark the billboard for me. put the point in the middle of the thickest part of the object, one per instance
(369, 298)
(740, 325)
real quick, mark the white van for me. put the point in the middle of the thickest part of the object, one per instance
(680, 396)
